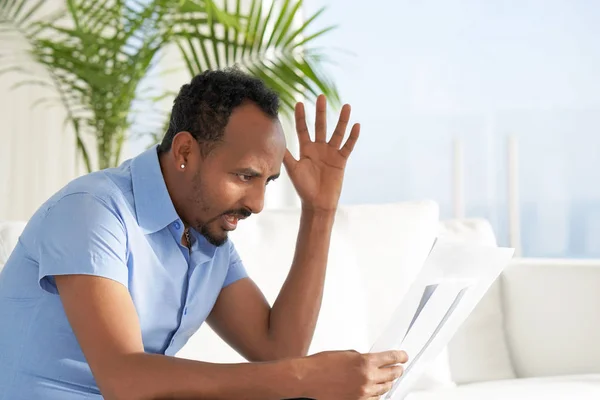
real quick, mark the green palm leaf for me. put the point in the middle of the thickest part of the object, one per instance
(267, 45)
(98, 59)
(95, 64)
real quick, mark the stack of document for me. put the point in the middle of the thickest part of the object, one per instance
(452, 281)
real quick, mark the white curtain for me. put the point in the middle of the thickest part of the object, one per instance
(37, 156)
(37, 151)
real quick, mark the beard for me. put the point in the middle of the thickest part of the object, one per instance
(216, 239)
(212, 228)
(214, 232)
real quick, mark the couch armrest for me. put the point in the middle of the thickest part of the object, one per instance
(552, 316)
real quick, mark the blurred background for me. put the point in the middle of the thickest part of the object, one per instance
(490, 108)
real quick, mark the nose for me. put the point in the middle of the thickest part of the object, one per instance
(255, 198)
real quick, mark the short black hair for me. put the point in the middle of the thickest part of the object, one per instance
(204, 105)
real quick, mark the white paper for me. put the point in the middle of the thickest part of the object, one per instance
(452, 281)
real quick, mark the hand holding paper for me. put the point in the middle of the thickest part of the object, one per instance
(335, 375)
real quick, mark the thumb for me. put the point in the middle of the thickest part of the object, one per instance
(289, 162)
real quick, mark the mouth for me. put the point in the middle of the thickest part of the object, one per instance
(230, 221)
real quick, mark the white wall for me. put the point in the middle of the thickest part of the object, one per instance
(37, 152)
(423, 73)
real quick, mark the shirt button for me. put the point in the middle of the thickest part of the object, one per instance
(172, 340)
(185, 311)
(177, 225)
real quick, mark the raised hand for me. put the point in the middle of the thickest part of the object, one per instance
(319, 173)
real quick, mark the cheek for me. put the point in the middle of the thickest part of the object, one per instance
(232, 191)
(226, 192)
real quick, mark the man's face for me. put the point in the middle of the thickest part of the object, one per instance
(229, 183)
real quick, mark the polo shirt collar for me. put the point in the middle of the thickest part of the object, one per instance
(153, 205)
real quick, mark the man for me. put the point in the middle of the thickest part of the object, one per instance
(118, 269)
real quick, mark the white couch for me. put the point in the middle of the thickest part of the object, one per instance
(533, 336)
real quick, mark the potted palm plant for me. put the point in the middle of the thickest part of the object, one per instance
(95, 55)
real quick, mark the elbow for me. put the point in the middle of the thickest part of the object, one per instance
(112, 392)
(119, 382)
(122, 392)
(111, 389)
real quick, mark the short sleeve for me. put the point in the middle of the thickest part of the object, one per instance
(236, 270)
(81, 235)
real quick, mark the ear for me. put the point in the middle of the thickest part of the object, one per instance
(182, 148)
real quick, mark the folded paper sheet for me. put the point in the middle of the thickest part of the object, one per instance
(452, 281)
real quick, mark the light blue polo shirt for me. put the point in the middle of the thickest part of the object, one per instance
(119, 224)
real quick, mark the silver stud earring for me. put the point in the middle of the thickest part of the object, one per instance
(182, 166)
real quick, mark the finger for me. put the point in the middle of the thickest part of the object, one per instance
(289, 162)
(391, 357)
(340, 129)
(349, 145)
(389, 374)
(382, 389)
(301, 128)
(321, 119)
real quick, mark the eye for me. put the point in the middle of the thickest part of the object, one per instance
(244, 178)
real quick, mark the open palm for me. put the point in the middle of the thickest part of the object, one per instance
(319, 173)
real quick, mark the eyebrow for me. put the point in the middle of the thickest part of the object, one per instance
(256, 174)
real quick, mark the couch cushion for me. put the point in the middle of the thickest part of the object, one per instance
(552, 311)
(9, 235)
(375, 251)
(478, 350)
(579, 387)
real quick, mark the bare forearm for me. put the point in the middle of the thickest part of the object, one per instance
(295, 312)
(149, 376)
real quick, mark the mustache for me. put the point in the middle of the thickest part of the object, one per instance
(240, 213)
